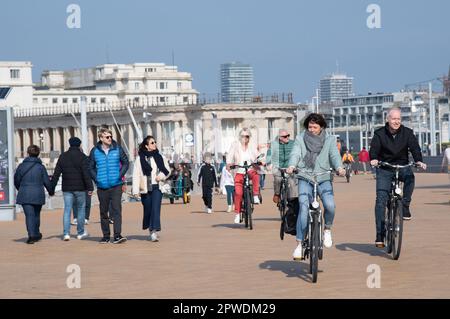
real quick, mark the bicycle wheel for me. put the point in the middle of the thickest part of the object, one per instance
(314, 250)
(249, 212)
(397, 229)
(388, 226)
(245, 212)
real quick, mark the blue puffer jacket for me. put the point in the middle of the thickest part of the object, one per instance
(30, 179)
(107, 170)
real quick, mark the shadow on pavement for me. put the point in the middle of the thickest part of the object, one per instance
(444, 203)
(268, 219)
(292, 269)
(433, 187)
(235, 226)
(369, 249)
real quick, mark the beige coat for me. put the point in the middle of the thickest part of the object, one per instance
(140, 180)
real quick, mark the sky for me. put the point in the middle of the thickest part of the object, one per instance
(291, 44)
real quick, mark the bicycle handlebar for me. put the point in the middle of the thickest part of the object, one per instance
(397, 166)
(296, 171)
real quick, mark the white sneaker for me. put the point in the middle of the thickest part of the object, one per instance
(66, 237)
(86, 221)
(237, 219)
(206, 209)
(256, 200)
(327, 241)
(154, 237)
(82, 236)
(74, 222)
(298, 252)
(209, 211)
(230, 208)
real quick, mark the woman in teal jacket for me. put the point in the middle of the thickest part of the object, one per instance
(314, 152)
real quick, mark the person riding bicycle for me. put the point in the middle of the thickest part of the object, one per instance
(278, 157)
(240, 152)
(348, 159)
(391, 144)
(314, 152)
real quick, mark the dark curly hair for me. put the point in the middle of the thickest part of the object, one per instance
(316, 119)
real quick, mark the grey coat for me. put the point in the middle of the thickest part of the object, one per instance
(328, 158)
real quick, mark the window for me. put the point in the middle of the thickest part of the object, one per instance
(35, 100)
(162, 85)
(15, 73)
(136, 99)
(162, 99)
(93, 100)
(185, 99)
(74, 100)
(55, 100)
(136, 85)
(150, 70)
(103, 100)
(45, 100)
(179, 85)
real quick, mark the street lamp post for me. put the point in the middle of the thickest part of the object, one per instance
(41, 141)
(346, 132)
(360, 132)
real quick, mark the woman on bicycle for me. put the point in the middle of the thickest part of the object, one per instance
(314, 152)
(243, 151)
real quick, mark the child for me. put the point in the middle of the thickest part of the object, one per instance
(207, 174)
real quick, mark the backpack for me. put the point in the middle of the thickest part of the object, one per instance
(289, 222)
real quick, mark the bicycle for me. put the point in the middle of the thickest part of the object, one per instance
(313, 243)
(282, 204)
(393, 219)
(247, 200)
(348, 171)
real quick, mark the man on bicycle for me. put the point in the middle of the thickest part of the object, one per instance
(240, 152)
(391, 144)
(278, 157)
(314, 152)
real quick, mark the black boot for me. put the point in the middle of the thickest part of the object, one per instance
(30, 240)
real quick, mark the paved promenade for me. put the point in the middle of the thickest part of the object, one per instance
(207, 256)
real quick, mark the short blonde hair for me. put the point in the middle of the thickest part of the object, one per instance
(102, 131)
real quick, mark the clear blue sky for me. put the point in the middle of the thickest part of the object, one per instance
(290, 44)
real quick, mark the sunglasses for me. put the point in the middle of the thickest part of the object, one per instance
(286, 136)
(152, 143)
(247, 136)
(108, 137)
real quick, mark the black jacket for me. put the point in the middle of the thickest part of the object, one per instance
(30, 179)
(208, 174)
(384, 147)
(74, 167)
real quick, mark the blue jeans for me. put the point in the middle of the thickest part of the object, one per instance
(230, 194)
(305, 191)
(384, 184)
(32, 219)
(152, 209)
(88, 207)
(77, 201)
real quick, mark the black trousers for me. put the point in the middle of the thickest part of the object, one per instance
(110, 199)
(207, 196)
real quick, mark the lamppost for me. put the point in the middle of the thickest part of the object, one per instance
(346, 132)
(214, 123)
(360, 132)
